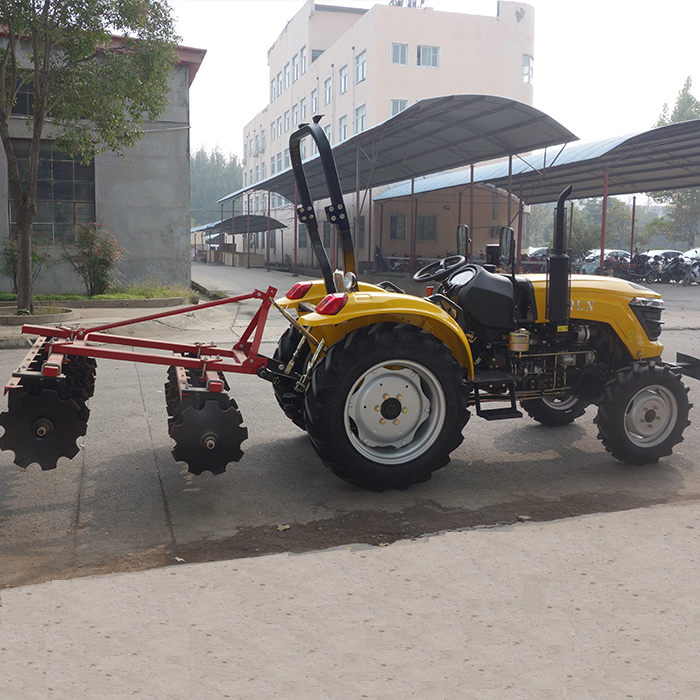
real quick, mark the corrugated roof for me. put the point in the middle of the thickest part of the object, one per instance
(240, 225)
(436, 134)
(664, 158)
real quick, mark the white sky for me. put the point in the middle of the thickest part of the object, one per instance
(602, 67)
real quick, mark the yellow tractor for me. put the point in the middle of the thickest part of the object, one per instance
(383, 382)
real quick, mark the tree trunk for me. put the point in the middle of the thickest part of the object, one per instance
(25, 296)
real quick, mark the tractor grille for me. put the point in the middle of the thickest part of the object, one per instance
(648, 313)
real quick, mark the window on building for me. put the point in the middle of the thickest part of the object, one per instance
(295, 68)
(397, 227)
(272, 165)
(286, 121)
(245, 179)
(399, 54)
(360, 66)
(426, 227)
(257, 144)
(272, 90)
(302, 149)
(257, 173)
(314, 147)
(343, 128)
(314, 101)
(273, 239)
(245, 150)
(262, 139)
(250, 176)
(360, 237)
(343, 80)
(279, 126)
(328, 130)
(302, 109)
(360, 119)
(286, 158)
(286, 76)
(250, 147)
(527, 69)
(303, 236)
(273, 131)
(279, 84)
(279, 162)
(428, 56)
(65, 194)
(295, 114)
(262, 171)
(302, 60)
(398, 106)
(326, 234)
(327, 91)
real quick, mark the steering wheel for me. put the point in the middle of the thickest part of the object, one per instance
(440, 269)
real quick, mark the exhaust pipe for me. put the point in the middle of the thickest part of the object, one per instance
(559, 269)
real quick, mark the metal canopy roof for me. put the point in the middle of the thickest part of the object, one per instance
(240, 225)
(432, 135)
(664, 158)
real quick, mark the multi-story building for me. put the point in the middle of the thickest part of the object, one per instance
(360, 67)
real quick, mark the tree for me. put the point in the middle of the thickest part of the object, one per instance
(212, 176)
(682, 224)
(93, 89)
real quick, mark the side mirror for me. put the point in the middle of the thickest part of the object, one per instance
(506, 244)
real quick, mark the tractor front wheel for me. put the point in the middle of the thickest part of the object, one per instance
(386, 406)
(643, 413)
(558, 410)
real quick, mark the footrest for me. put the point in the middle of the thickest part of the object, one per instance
(499, 413)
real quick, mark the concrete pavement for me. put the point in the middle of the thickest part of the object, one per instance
(600, 606)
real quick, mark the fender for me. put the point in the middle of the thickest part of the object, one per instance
(373, 304)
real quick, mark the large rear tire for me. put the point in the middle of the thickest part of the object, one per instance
(290, 400)
(643, 413)
(386, 406)
(556, 410)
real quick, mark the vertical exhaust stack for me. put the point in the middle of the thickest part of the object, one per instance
(559, 268)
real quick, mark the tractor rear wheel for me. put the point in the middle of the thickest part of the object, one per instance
(643, 413)
(289, 399)
(386, 406)
(556, 410)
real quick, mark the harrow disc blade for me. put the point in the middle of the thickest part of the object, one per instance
(208, 434)
(42, 428)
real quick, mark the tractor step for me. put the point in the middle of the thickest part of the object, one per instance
(489, 383)
(499, 413)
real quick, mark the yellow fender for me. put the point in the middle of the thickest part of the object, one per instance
(372, 304)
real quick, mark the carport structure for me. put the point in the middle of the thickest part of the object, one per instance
(242, 224)
(664, 158)
(432, 135)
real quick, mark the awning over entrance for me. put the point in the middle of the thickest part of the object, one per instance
(436, 134)
(240, 225)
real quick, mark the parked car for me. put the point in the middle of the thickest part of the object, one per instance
(666, 253)
(692, 253)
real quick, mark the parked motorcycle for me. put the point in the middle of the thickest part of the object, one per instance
(641, 268)
(693, 273)
(674, 270)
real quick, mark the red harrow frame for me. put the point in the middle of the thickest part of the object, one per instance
(48, 393)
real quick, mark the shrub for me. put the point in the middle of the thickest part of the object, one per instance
(94, 257)
(8, 262)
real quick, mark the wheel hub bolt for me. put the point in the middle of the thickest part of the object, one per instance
(382, 421)
(396, 422)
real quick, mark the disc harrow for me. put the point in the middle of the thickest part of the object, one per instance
(49, 392)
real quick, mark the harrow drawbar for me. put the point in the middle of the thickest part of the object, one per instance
(48, 392)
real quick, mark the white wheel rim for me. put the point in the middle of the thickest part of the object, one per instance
(561, 403)
(651, 416)
(394, 412)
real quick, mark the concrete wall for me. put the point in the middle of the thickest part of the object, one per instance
(143, 198)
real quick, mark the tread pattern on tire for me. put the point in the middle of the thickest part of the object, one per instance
(291, 402)
(334, 377)
(539, 411)
(616, 396)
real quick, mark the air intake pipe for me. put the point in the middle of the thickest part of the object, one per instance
(559, 268)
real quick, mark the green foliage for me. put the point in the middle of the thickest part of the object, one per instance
(96, 89)
(212, 176)
(94, 257)
(686, 107)
(8, 262)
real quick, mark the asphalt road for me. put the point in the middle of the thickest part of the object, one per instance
(124, 504)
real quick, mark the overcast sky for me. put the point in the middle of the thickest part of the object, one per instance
(602, 67)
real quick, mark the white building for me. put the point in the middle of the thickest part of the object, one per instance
(359, 67)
